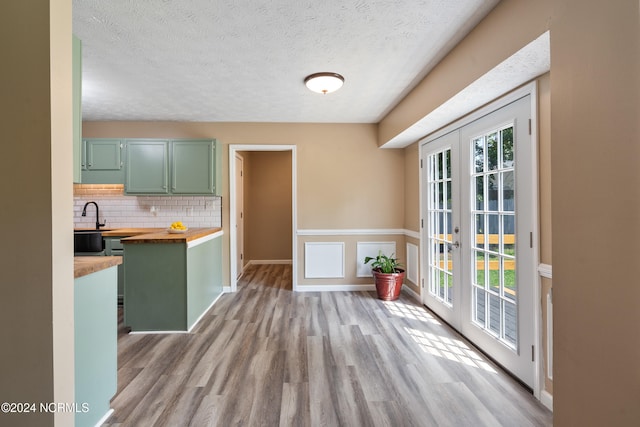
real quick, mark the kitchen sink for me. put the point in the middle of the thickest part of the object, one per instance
(87, 241)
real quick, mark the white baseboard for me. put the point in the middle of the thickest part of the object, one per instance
(268, 261)
(226, 289)
(546, 399)
(192, 326)
(205, 312)
(104, 418)
(411, 293)
(334, 288)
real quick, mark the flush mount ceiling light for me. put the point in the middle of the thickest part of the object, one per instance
(324, 82)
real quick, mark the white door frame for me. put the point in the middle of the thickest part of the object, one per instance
(532, 90)
(233, 242)
(239, 180)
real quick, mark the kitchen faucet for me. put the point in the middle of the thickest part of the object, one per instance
(84, 213)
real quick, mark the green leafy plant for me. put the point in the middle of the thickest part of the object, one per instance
(383, 263)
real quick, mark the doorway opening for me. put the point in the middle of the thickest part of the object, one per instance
(237, 229)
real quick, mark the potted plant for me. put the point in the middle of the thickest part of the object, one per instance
(387, 276)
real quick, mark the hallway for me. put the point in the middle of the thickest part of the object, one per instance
(268, 356)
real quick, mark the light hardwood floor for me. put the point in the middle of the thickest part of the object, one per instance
(266, 356)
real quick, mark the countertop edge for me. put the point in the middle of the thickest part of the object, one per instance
(85, 265)
(166, 237)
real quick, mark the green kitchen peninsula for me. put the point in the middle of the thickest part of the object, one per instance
(171, 280)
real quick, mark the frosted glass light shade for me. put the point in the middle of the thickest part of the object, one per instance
(324, 82)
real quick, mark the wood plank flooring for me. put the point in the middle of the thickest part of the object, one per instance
(265, 356)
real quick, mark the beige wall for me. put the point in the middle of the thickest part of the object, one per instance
(412, 187)
(595, 92)
(267, 205)
(36, 289)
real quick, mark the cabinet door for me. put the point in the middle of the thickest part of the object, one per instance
(147, 167)
(102, 161)
(104, 154)
(192, 167)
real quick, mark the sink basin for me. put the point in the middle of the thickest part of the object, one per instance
(87, 241)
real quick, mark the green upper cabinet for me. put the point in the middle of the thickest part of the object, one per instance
(103, 161)
(103, 154)
(193, 167)
(147, 167)
(190, 166)
(77, 107)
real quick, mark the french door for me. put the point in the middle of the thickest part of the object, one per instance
(478, 222)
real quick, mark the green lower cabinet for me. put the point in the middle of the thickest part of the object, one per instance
(113, 247)
(169, 286)
(96, 341)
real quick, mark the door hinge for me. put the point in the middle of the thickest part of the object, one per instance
(420, 163)
(421, 223)
(529, 126)
(422, 282)
(531, 239)
(533, 353)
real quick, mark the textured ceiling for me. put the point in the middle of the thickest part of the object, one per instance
(245, 61)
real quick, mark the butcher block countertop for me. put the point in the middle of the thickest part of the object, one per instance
(85, 265)
(163, 236)
(111, 232)
(130, 231)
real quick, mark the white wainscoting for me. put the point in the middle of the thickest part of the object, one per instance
(324, 260)
(546, 271)
(412, 263)
(365, 249)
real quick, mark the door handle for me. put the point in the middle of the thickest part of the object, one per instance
(452, 246)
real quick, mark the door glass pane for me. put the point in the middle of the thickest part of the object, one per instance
(492, 151)
(508, 190)
(507, 147)
(479, 231)
(493, 217)
(495, 314)
(492, 192)
(480, 269)
(510, 322)
(479, 315)
(479, 192)
(494, 233)
(478, 154)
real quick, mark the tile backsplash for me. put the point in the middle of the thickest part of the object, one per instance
(143, 211)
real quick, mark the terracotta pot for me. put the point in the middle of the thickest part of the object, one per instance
(388, 285)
